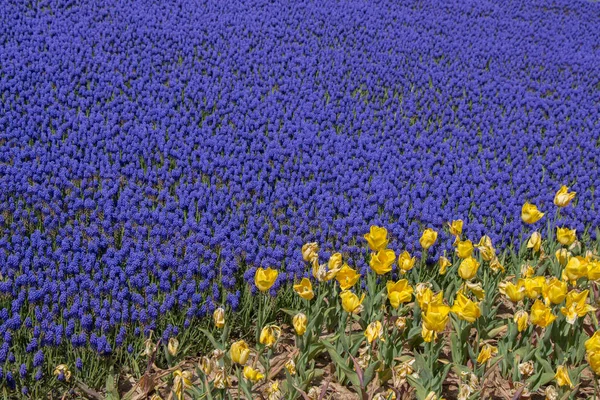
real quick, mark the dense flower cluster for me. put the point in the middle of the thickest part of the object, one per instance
(154, 156)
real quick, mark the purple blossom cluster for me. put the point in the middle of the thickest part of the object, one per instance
(154, 154)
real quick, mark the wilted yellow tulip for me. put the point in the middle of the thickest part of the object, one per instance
(476, 289)
(465, 309)
(554, 291)
(347, 277)
(488, 253)
(374, 331)
(274, 392)
(495, 265)
(400, 323)
(534, 286)
(562, 256)
(527, 271)
(487, 351)
(521, 318)
(181, 381)
(562, 377)
(428, 238)
(63, 369)
(530, 213)
(206, 365)
(565, 236)
(444, 263)
(593, 343)
(541, 315)
(381, 262)
(265, 278)
(221, 379)
(576, 268)
(155, 397)
(535, 242)
(576, 306)
(300, 322)
(468, 268)
(550, 393)
(464, 249)
(172, 346)
(399, 292)
(406, 262)
(239, 352)
(290, 365)
(515, 293)
(351, 303)
(219, 317)
(269, 335)
(377, 238)
(252, 374)
(436, 317)
(310, 252)
(304, 289)
(456, 227)
(563, 197)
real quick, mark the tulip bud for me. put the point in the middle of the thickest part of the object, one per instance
(521, 318)
(219, 317)
(300, 322)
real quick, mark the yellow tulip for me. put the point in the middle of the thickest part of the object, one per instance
(541, 315)
(436, 317)
(521, 318)
(488, 253)
(181, 381)
(265, 278)
(593, 270)
(565, 236)
(444, 263)
(562, 256)
(424, 294)
(576, 306)
(64, 370)
(562, 198)
(269, 335)
(377, 238)
(374, 331)
(535, 242)
(465, 309)
(554, 291)
(347, 277)
(593, 343)
(427, 334)
(428, 238)
(310, 252)
(515, 293)
(576, 268)
(562, 377)
(239, 352)
(456, 227)
(399, 292)
(351, 303)
(534, 286)
(468, 268)
(405, 262)
(300, 322)
(304, 289)
(530, 213)
(593, 359)
(219, 317)
(464, 249)
(486, 352)
(172, 346)
(335, 262)
(252, 374)
(381, 262)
